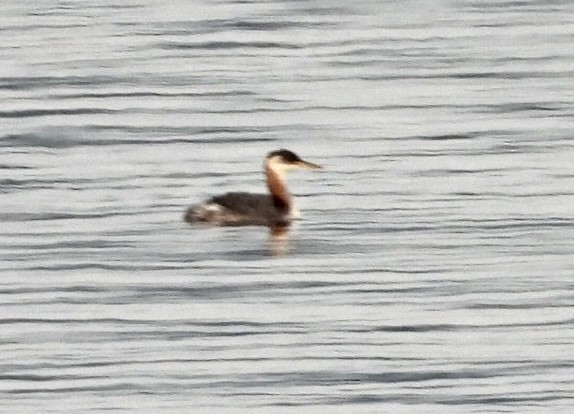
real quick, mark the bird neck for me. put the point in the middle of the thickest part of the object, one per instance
(277, 185)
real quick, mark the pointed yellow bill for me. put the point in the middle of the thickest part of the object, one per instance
(308, 165)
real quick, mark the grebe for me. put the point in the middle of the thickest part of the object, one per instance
(275, 210)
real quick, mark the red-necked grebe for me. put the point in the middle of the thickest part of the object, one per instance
(275, 210)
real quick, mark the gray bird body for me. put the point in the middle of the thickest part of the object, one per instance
(238, 209)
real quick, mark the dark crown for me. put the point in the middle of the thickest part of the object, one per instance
(286, 155)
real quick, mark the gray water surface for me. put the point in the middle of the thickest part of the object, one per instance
(432, 269)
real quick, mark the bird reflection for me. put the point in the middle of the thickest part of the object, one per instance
(279, 237)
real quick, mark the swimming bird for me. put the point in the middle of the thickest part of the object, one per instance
(275, 210)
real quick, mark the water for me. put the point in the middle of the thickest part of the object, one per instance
(432, 269)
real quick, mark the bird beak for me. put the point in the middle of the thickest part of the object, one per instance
(308, 165)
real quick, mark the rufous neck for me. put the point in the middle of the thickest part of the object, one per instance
(278, 188)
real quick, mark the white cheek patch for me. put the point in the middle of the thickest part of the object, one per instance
(276, 164)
